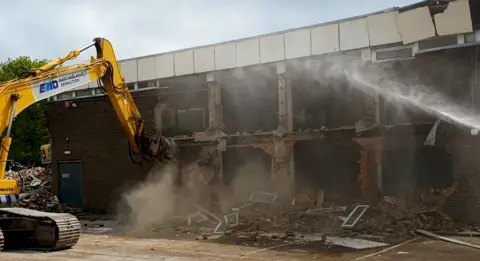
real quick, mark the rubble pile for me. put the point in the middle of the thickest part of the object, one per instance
(391, 220)
(36, 190)
(401, 224)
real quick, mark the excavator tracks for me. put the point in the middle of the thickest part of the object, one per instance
(31, 229)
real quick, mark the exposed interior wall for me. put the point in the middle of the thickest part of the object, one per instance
(407, 172)
(448, 72)
(249, 98)
(321, 102)
(464, 204)
(328, 165)
(246, 169)
(96, 139)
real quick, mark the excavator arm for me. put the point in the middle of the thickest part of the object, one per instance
(47, 81)
(44, 82)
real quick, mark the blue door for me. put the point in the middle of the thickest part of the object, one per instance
(70, 191)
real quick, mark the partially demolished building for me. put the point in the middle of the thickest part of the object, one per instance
(261, 105)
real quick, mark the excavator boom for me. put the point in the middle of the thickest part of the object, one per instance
(21, 227)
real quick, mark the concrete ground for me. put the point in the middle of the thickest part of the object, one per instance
(114, 247)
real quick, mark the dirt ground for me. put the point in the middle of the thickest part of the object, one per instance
(111, 246)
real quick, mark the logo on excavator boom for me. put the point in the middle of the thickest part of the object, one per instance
(6, 189)
(48, 86)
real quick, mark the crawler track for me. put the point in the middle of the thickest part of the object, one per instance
(31, 229)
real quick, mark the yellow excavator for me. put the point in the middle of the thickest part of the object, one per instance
(46, 153)
(30, 229)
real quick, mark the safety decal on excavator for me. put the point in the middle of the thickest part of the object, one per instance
(54, 86)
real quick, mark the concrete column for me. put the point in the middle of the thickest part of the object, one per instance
(476, 79)
(285, 117)
(282, 168)
(221, 148)
(282, 158)
(371, 149)
(370, 178)
(215, 108)
(215, 123)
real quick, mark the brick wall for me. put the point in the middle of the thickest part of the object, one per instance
(97, 140)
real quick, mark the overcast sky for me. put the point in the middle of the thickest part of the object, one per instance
(50, 28)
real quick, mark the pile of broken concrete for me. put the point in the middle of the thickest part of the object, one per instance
(262, 216)
(36, 190)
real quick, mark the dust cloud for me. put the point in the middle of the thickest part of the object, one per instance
(403, 90)
(170, 191)
(150, 202)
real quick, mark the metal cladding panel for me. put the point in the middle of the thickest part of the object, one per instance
(456, 19)
(415, 25)
(248, 52)
(325, 39)
(164, 66)
(297, 44)
(146, 69)
(382, 28)
(184, 63)
(204, 59)
(272, 48)
(225, 56)
(82, 87)
(354, 34)
(94, 84)
(129, 70)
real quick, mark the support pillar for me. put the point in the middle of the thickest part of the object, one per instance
(215, 108)
(285, 113)
(370, 178)
(282, 158)
(216, 124)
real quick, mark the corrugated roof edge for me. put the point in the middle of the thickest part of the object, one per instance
(418, 4)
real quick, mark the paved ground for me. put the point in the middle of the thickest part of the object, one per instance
(109, 247)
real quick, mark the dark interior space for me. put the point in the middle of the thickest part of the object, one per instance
(408, 172)
(331, 104)
(253, 163)
(329, 165)
(475, 13)
(421, 81)
(250, 101)
(185, 110)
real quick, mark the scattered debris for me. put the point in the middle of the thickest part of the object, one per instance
(210, 214)
(36, 190)
(388, 249)
(322, 211)
(96, 230)
(314, 218)
(355, 243)
(262, 197)
(355, 216)
(447, 239)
